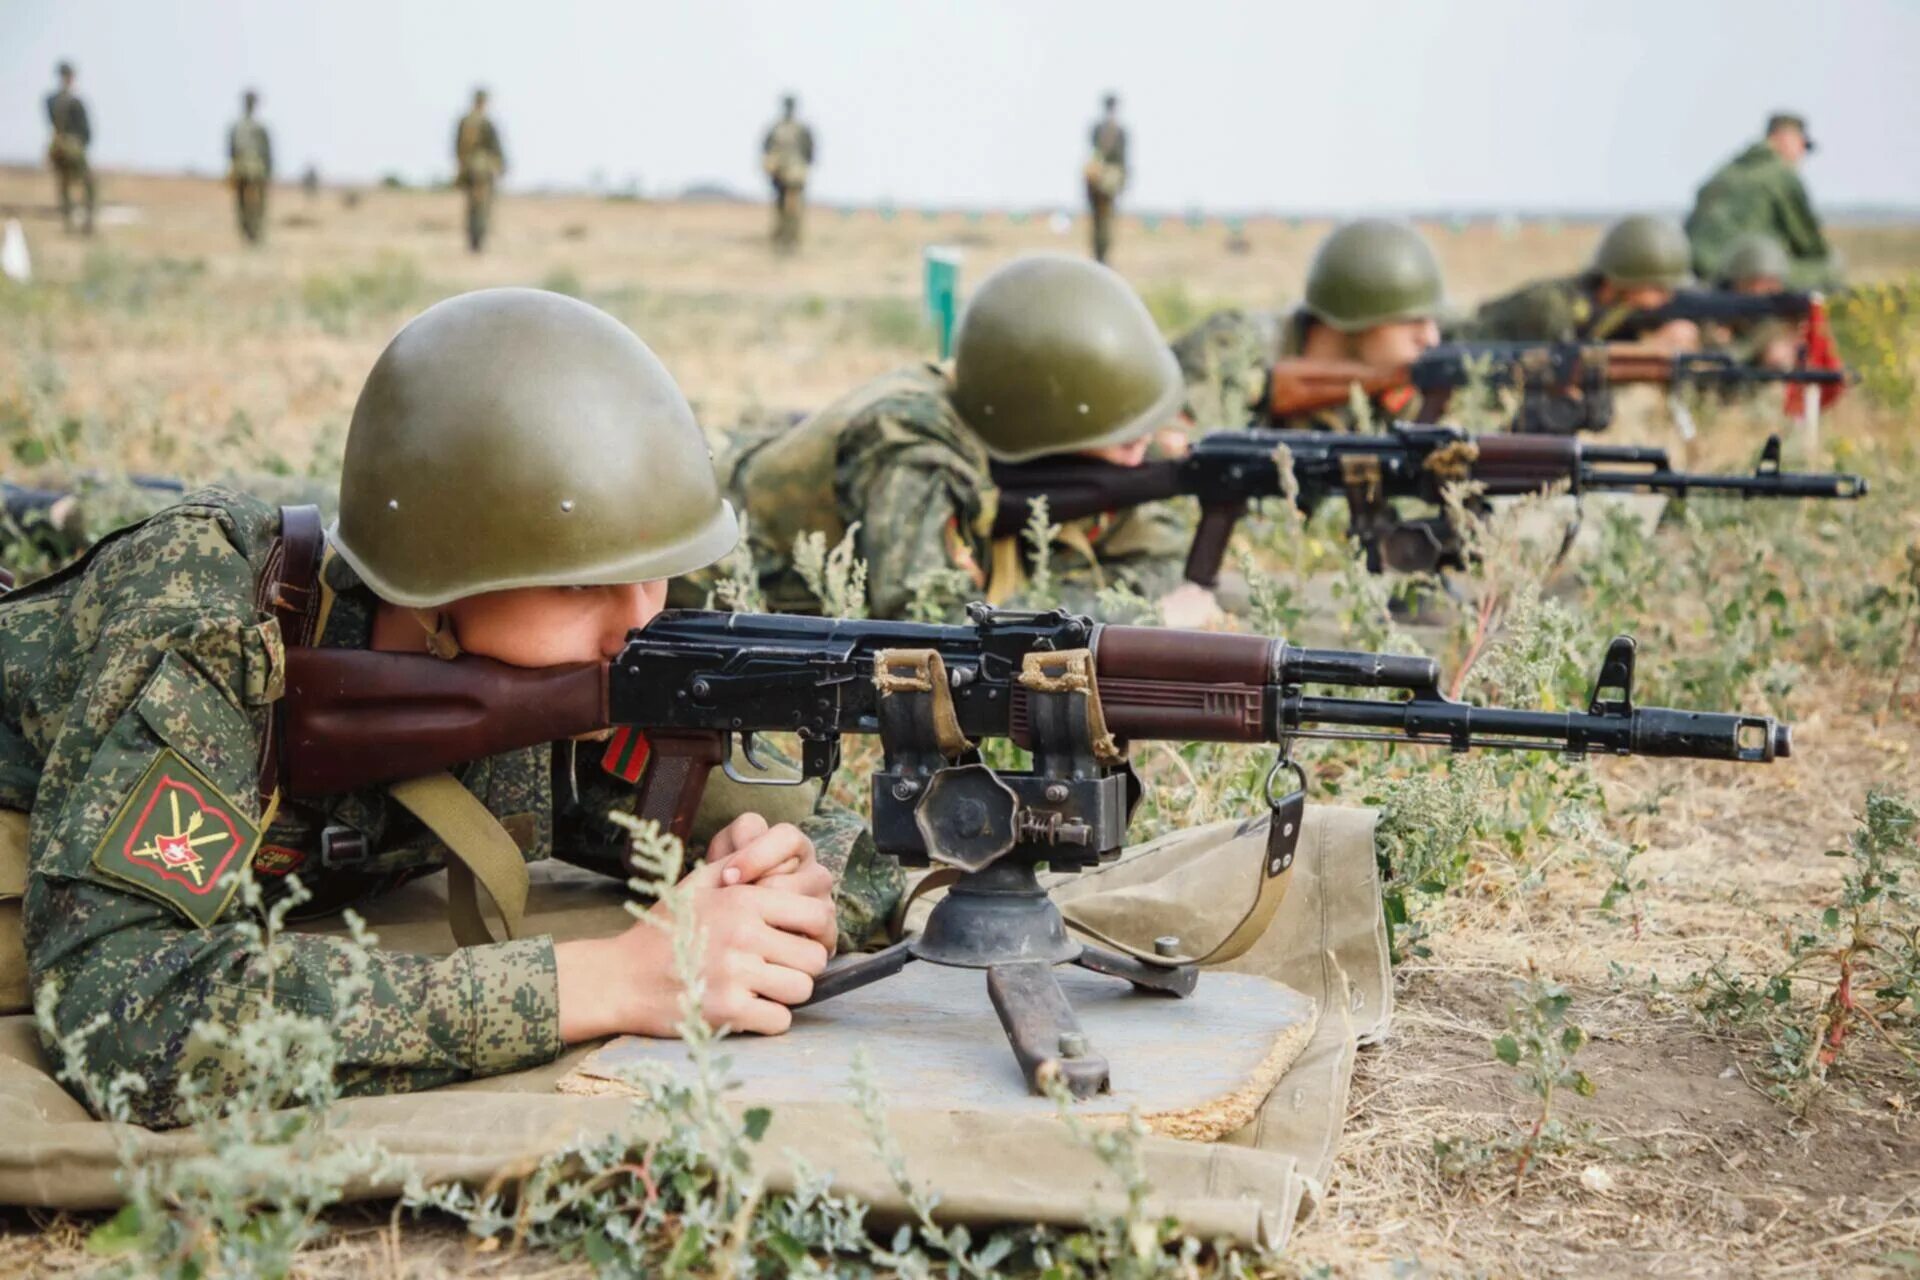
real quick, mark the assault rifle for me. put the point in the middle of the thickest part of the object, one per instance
(1722, 306)
(1229, 470)
(1563, 387)
(1071, 691)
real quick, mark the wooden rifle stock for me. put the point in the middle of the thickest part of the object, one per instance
(1297, 385)
(354, 718)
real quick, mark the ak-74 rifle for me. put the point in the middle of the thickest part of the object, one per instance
(1070, 690)
(1230, 470)
(1564, 387)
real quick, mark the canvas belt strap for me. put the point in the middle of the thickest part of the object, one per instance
(484, 855)
(1275, 874)
(14, 996)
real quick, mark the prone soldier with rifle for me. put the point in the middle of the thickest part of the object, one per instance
(1229, 471)
(1374, 296)
(1561, 387)
(225, 687)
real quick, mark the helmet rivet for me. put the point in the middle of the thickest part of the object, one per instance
(566, 504)
(393, 504)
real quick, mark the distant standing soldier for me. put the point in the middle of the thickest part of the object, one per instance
(787, 156)
(477, 149)
(72, 134)
(1106, 175)
(1760, 191)
(250, 167)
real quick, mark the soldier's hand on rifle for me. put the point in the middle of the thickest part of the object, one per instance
(1190, 607)
(1675, 337)
(762, 946)
(749, 851)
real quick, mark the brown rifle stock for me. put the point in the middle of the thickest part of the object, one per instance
(354, 718)
(1298, 384)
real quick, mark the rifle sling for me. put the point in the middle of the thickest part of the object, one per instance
(483, 855)
(1275, 874)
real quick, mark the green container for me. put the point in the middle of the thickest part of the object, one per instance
(942, 282)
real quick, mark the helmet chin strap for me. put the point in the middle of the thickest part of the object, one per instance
(441, 642)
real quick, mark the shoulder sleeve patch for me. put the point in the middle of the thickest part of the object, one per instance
(176, 838)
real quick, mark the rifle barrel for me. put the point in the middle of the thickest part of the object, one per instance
(1770, 484)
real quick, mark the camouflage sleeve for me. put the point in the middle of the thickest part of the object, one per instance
(1540, 313)
(143, 827)
(1225, 361)
(1794, 219)
(917, 519)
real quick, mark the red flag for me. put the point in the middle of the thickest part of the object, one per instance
(1817, 351)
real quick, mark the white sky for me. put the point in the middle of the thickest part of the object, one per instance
(1340, 105)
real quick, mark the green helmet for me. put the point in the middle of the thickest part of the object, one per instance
(518, 438)
(1056, 354)
(1370, 272)
(1755, 256)
(1644, 250)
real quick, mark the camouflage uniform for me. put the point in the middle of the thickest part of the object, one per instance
(477, 150)
(786, 155)
(1106, 175)
(1558, 310)
(250, 169)
(896, 457)
(67, 153)
(1758, 191)
(135, 690)
(1226, 360)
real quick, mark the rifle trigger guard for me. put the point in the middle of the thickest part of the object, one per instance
(753, 759)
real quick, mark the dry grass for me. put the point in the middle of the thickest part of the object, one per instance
(1688, 1168)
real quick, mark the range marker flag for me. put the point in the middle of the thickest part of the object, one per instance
(1818, 351)
(626, 754)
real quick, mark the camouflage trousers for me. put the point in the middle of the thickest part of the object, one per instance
(67, 178)
(789, 208)
(1102, 209)
(479, 212)
(250, 202)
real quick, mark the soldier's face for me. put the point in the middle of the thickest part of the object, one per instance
(1758, 285)
(1130, 454)
(548, 626)
(1396, 343)
(1789, 143)
(1641, 297)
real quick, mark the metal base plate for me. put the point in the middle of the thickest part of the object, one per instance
(935, 1042)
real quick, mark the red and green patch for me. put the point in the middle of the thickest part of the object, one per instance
(176, 838)
(626, 755)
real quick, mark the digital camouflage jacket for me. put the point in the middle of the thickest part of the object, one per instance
(1558, 310)
(135, 689)
(895, 458)
(1758, 191)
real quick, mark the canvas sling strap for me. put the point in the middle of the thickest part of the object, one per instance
(482, 853)
(14, 996)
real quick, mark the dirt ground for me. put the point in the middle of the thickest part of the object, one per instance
(1681, 1164)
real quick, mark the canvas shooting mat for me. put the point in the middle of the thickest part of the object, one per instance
(1326, 943)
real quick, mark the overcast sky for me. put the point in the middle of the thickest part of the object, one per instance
(1342, 106)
